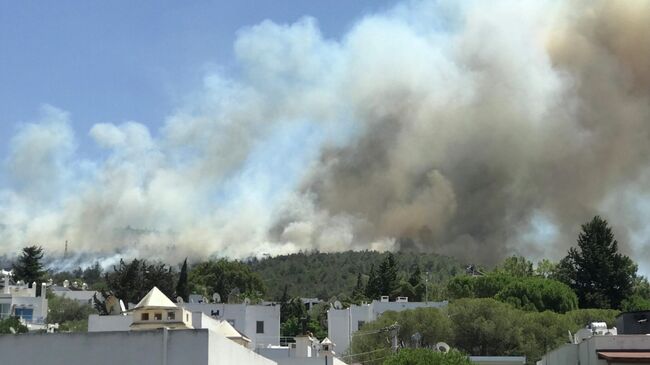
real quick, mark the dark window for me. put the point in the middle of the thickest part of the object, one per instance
(360, 324)
(171, 316)
(260, 327)
(157, 316)
(145, 316)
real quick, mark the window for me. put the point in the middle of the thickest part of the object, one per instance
(360, 324)
(144, 316)
(171, 316)
(157, 316)
(5, 310)
(260, 327)
(25, 313)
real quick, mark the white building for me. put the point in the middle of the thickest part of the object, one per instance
(343, 323)
(81, 296)
(305, 351)
(151, 347)
(260, 323)
(597, 345)
(157, 332)
(21, 301)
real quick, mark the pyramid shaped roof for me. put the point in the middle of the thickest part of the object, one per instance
(156, 299)
(327, 341)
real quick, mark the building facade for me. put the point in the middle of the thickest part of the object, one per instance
(343, 323)
(151, 347)
(21, 301)
(260, 323)
(597, 345)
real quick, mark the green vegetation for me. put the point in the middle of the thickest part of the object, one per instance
(528, 292)
(481, 326)
(596, 271)
(131, 281)
(182, 287)
(12, 322)
(29, 266)
(226, 278)
(337, 273)
(71, 315)
(427, 357)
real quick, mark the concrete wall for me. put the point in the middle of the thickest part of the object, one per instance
(97, 323)
(223, 351)
(244, 318)
(586, 352)
(157, 347)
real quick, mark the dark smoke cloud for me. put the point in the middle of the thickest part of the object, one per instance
(477, 129)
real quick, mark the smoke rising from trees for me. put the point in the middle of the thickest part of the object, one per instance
(473, 129)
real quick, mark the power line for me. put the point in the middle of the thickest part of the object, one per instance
(364, 353)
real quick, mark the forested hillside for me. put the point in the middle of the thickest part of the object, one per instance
(325, 275)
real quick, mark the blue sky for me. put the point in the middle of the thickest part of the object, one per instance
(119, 61)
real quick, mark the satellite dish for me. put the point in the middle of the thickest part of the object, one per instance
(442, 347)
(179, 300)
(216, 298)
(205, 300)
(338, 305)
(247, 301)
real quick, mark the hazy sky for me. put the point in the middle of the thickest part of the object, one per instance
(117, 61)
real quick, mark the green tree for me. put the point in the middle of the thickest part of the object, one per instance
(71, 315)
(12, 322)
(433, 325)
(182, 288)
(427, 357)
(486, 327)
(539, 294)
(92, 274)
(223, 277)
(387, 276)
(358, 291)
(131, 281)
(29, 266)
(373, 286)
(517, 266)
(545, 268)
(597, 272)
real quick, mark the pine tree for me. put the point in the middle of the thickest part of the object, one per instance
(373, 290)
(416, 276)
(387, 276)
(182, 288)
(596, 271)
(358, 291)
(29, 267)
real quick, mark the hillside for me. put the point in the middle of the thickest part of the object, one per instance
(325, 275)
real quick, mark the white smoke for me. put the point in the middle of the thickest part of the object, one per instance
(475, 129)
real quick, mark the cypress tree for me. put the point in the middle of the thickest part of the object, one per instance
(182, 288)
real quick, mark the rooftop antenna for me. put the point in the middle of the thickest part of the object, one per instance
(65, 250)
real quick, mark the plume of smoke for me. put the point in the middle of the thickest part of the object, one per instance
(470, 129)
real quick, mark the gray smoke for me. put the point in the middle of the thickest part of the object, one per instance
(476, 129)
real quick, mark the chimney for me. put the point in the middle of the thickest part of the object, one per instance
(303, 346)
